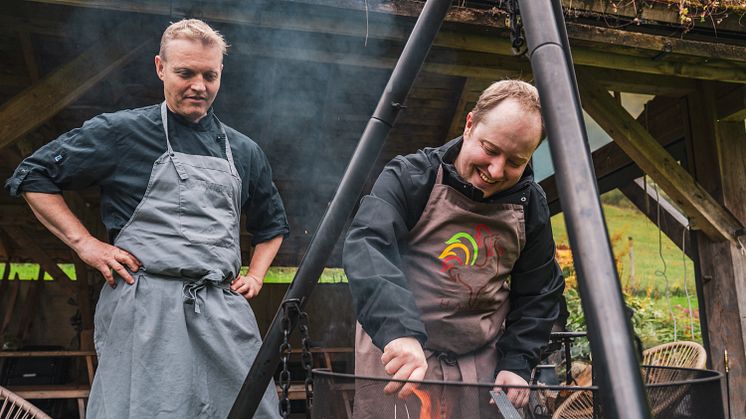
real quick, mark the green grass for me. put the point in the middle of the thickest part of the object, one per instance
(30, 271)
(650, 271)
(276, 275)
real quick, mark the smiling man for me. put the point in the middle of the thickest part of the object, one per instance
(450, 261)
(174, 331)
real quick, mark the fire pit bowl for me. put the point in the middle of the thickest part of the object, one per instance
(673, 393)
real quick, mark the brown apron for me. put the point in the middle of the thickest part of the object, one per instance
(459, 257)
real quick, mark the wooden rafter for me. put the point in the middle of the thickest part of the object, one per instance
(32, 107)
(708, 215)
(29, 56)
(22, 240)
(706, 68)
(732, 105)
(631, 82)
(457, 123)
(612, 166)
(656, 43)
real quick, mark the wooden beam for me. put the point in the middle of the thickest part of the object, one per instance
(732, 105)
(708, 215)
(10, 293)
(30, 306)
(658, 43)
(664, 118)
(483, 71)
(457, 122)
(707, 69)
(718, 153)
(40, 102)
(29, 55)
(631, 82)
(649, 12)
(23, 240)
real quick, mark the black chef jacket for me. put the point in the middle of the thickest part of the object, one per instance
(117, 150)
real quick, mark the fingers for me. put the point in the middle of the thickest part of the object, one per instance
(118, 268)
(106, 272)
(402, 373)
(128, 259)
(518, 397)
(393, 365)
(417, 375)
(247, 286)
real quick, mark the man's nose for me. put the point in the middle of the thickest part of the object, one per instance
(198, 85)
(497, 169)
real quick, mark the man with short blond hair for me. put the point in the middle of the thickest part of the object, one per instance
(450, 261)
(174, 331)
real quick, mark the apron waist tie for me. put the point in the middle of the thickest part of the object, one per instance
(190, 289)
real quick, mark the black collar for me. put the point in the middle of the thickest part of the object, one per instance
(205, 124)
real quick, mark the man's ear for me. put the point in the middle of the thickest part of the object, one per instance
(469, 123)
(159, 67)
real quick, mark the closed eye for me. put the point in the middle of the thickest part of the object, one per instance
(488, 149)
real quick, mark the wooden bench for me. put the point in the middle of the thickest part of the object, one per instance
(80, 392)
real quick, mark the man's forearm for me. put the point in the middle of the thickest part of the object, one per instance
(53, 212)
(264, 254)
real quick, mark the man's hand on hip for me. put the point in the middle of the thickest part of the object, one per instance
(403, 359)
(517, 396)
(105, 258)
(247, 285)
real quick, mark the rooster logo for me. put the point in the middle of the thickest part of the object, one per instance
(459, 259)
(462, 248)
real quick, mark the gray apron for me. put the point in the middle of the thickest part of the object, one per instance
(458, 260)
(178, 343)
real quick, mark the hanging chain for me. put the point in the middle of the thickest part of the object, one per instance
(289, 308)
(306, 358)
(517, 40)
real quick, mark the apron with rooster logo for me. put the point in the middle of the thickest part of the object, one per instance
(457, 264)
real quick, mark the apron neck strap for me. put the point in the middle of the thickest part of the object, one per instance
(228, 151)
(439, 176)
(164, 120)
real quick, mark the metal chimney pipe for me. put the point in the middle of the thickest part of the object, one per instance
(609, 331)
(351, 185)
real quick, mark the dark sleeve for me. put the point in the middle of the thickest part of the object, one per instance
(372, 256)
(265, 213)
(536, 287)
(75, 160)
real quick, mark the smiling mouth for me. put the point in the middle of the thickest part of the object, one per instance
(486, 178)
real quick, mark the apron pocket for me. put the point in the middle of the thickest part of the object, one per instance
(206, 212)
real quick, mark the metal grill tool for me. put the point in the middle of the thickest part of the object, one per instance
(504, 405)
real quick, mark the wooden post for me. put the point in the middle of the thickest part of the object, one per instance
(718, 153)
(30, 306)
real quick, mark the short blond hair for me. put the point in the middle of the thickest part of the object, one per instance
(524, 93)
(195, 30)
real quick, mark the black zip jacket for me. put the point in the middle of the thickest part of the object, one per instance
(377, 238)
